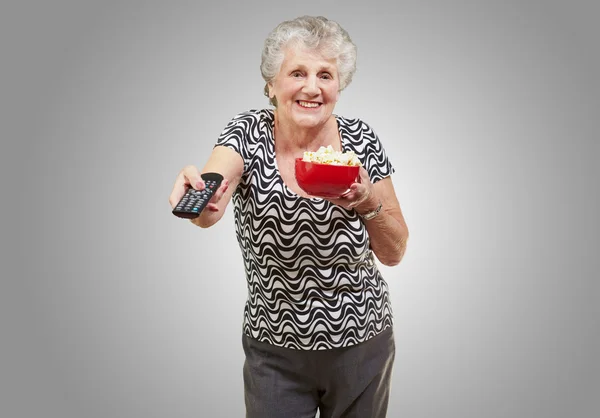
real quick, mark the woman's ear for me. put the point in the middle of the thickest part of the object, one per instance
(270, 89)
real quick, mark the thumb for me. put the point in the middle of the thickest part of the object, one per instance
(197, 183)
(194, 179)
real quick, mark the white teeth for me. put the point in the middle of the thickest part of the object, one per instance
(308, 104)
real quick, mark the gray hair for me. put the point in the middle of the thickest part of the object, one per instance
(311, 32)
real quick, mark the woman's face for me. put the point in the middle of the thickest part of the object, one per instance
(306, 88)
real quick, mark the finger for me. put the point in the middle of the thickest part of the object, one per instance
(213, 207)
(188, 177)
(346, 193)
(193, 178)
(364, 175)
(357, 190)
(179, 189)
(359, 195)
(221, 191)
(198, 184)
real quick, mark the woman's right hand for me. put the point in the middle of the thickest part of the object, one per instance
(188, 177)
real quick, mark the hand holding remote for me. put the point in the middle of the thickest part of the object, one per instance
(193, 192)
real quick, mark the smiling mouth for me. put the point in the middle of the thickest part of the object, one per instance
(308, 105)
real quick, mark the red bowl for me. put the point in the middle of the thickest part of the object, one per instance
(325, 180)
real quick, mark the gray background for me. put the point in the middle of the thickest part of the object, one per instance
(112, 307)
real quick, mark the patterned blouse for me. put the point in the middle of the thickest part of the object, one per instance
(313, 283)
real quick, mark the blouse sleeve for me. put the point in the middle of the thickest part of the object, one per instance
(375, 159)
(235, 136)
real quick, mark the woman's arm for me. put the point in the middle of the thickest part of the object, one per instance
(223, 160)
(387, 231)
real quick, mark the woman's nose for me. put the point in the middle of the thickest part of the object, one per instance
(311, 85)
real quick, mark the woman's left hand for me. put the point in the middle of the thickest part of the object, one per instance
(360, 195)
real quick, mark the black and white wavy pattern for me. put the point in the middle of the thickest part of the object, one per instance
(312, 280)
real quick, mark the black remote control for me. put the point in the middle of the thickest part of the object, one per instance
(193, 201)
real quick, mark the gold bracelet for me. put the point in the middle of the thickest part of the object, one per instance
(370, 215)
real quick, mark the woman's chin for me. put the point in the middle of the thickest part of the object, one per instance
(310, 120)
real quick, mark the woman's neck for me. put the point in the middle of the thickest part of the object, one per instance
(290, 139)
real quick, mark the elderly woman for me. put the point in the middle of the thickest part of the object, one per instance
(318, 327)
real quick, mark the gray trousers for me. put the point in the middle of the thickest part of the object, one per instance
(352, 382)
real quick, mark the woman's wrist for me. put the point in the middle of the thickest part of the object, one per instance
(370, 215)
(370, 208)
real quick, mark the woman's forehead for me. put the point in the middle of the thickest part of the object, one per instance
(296, 54)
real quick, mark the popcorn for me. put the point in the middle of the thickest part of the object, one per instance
(327, 155)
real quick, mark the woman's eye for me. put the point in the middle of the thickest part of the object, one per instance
(326, 76)
(296, 74)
